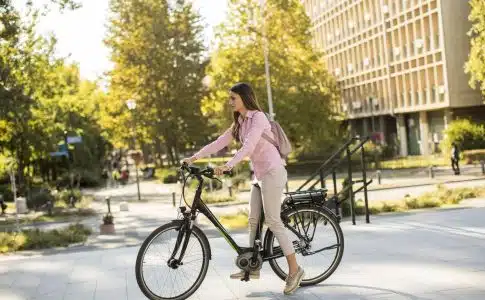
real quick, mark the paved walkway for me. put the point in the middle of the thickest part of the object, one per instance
(400, 181)
(431, 255)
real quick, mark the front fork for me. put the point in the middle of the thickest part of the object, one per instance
(183, 237)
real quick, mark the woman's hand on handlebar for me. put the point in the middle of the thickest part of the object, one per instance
(188, 160)
(220, 170)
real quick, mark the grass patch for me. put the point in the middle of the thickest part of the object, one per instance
(413, 162)
(37, 239)
(215, 198)
(235, 221)
(84, 202)
(442, 196)
(57, 216)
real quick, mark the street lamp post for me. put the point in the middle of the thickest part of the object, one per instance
(132, 106)
(266, 62)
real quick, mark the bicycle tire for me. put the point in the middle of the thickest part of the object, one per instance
(206, 253)
(330, 218)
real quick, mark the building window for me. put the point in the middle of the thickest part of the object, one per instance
(441, 93)
(350, 68)
(418, 45)
(426, 95)
(404, 4)
(351, 25)
(385, 9)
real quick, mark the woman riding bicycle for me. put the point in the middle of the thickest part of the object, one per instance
(248, 127)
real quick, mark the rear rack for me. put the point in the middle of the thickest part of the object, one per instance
(315, 196)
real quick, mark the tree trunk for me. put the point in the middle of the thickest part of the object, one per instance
(176, 150)
(20, 170)
(170, 154)
(159, 153)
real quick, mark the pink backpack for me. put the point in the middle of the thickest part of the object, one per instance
(280, 140)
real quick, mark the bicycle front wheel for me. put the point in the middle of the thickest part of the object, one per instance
(319, 244)
(157, 277)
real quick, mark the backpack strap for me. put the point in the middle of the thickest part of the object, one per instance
(266, 137)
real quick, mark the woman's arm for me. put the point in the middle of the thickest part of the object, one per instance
(221, 142)
(258, 125)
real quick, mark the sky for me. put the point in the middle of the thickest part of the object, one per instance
(80, 33)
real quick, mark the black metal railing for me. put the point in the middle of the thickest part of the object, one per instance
(338, 160)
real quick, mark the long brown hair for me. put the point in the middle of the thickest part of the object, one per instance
(250, 103)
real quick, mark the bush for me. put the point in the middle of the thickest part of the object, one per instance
(390, 207)
(239, 181)
(170, 179)
(216, 185)
(88, 179)
(10, 242)
(167, 175)
(40, 198)
(91, 179)
(37, 239)
(108, 219)
(6, 192)
(63, 196)
(468, 136)
(474, 156)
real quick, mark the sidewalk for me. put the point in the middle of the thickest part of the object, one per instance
(395, 257)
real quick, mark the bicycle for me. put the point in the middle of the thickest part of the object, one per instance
(299, 211)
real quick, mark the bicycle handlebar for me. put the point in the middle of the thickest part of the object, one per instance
(207, 172)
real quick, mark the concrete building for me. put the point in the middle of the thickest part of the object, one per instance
(400, 66)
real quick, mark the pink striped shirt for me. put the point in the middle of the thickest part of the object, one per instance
(263, 155)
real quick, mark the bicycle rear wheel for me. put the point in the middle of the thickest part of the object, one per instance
(157, 278)
(320, 254)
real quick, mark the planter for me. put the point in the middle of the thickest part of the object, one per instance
(107, 228)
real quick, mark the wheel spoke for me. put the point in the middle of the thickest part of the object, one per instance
(322, 255)
(157, 279)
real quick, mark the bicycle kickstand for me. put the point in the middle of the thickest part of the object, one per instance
(246, 276)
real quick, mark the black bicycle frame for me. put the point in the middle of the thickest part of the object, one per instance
(200, 206)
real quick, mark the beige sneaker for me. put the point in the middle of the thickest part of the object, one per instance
(293, 282)
(240, 275)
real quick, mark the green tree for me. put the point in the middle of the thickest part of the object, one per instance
(304, 94)
(41, 97)
(475, 65)
(157, 54)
